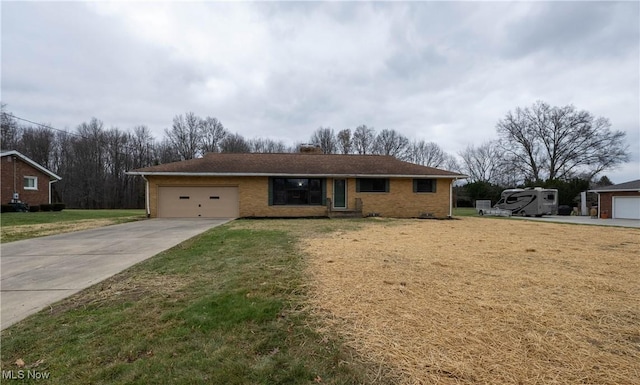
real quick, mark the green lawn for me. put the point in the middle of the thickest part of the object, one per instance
(227, 307)
(464, 212)
(19, 226)
(67, 215)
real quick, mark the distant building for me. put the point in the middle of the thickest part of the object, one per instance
(619, 201)
(23, 180)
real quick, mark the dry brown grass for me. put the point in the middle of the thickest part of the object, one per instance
(44, 229)
(483, 300)
(125, 287)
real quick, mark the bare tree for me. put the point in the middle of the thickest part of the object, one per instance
(10, 131)
(141, 145)
(482, 163)
(450, 163)
(295, 147)
(63, 160)
(60, 152)
(265, 145)
(391, 142)
(117, 163)
(363, 140)
(326, 139)
(141, 151)
(560, 142)
(345, 145)
(425, 153)
(166, 152)
(185, 135)
(212, 133)
(87, 174)
(519, 142)
(234, 143)
(37, 143)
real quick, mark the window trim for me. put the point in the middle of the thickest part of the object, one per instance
(35, 182)
(387, 188)
(434, 186)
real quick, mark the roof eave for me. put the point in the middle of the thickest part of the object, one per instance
(614, 190)
(326, 175)
(32, 163)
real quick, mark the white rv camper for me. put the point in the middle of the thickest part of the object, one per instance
(529, 201)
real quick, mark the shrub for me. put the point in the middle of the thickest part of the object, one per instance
(45, 207)
(58, 206)
(7, 209)
(34, 209)
(462, 202)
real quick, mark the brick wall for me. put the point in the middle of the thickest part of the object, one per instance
(253, 192)
(402, 202)
(22, 169)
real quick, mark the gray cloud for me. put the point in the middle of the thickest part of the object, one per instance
(441, 71)
(582, 30)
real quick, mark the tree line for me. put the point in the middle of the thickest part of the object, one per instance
(535, 145)
(192, 136)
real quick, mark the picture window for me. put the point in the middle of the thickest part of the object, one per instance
(297, 191)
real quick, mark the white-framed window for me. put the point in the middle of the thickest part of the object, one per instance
(30, 182)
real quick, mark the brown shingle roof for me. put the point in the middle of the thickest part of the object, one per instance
(633, 185)
(296, 164)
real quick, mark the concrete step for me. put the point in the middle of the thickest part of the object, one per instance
(345, 214)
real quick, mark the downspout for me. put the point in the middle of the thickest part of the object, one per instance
(50, 183)
(15, 159)
(146, 196)
(451, 198)
(599, 207)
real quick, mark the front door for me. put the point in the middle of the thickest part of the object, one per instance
(339, 193)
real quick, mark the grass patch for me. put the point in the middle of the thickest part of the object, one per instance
(18, 226)
(17, 219)
(464, 212)
(227, 307)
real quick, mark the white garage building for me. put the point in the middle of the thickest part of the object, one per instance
(620, 201)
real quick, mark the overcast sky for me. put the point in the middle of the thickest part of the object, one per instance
(440, 71)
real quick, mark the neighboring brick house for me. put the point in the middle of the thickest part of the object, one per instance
(619, 201)
(26, 178)
(297, 185)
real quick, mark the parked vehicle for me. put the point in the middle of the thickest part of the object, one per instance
(564, 210)
(483, 207)
(529, 201)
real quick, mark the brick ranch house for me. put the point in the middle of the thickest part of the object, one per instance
(296, 185)
(620, 201)
(21, 175)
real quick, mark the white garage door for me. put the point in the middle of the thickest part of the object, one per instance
(198, 202)
(626, 207)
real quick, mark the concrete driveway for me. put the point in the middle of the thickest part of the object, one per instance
(584, 220)
(37, 272)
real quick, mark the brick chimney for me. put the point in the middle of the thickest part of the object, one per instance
(310, 149)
